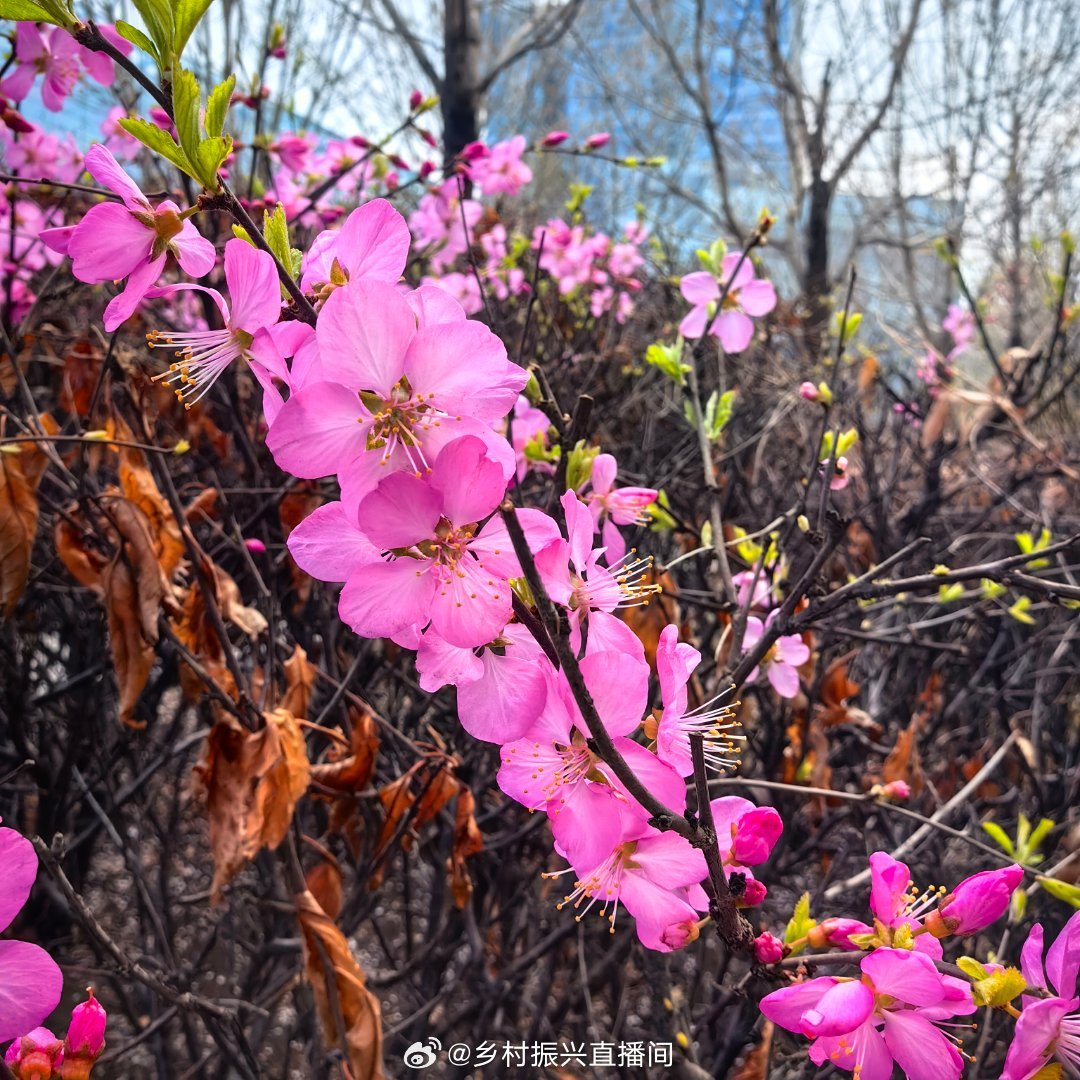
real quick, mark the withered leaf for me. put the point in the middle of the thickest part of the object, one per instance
(468, 840)
(18, 525)
(341, 997)
(300, 675)
(251, 781)
(353, 772)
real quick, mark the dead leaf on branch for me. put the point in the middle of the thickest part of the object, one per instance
(128, 580)
(353, 772)
(300, 675)
(251, 781)
(18, 526)
(468, 840)
(341, 996)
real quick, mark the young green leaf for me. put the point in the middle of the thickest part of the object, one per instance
(187, 99)
(150, 135)
(138, 39)
(217, 106)
(186, 16)
(999, 835)
(25, 11)
(158, 18)
(1062, 890)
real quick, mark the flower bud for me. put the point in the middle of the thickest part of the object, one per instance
(416, 99)
(975, 903)
(679, 935)
(837, 932)
(753, 893)
(808, 391)
(255, 546)
(553, 138)
(755, 834)
(86, 1032)
(768, 949)
(597, 139)
(35, 1055)
(426, 169)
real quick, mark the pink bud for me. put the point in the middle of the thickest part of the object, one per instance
(768, 949)
(837, 932)
(754, 893)
(598, 139)
(679, 935)
(428, 137)
(35, 1055)
(975, 903)
(390, 181)
(86, 1033)
(809, 391)
(755, 834)
(415, 100)
(359, 140)
(553, 138)
(255, 546)
(426, 169)
(896, 789)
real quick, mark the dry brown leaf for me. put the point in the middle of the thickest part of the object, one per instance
(903, 762)
(300, 675)
(251, 781)
(468, 840)
(82, 369)
(337, 983)
(757, 1061)
(324, 883)
(18, 525)
(353, 772)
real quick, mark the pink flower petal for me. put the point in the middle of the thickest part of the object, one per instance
(329, 546)
(316, 432)
(757, 298)
(734, 330)
(30, 987)
(20, 864)
(382, 599)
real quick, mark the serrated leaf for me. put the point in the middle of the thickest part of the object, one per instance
(999, 836)
(186, 16)
(161, 142)
(1062, 890)
(138, 39)
(211, 156)
(217, 106)
(187, 98)
(276, 231)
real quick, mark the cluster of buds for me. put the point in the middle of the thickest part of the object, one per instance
(40, 1055)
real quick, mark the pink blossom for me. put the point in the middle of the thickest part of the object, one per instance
(52, 52)
(553, 138)
(574, 578)
(293, 151)
(891, 1015)
(530, 427)
(393, 393)
(501, 170)
(975, 903)
(30, 981)
(411, 555)
(746, 297)
(501, 688)
(552, 767)
(808, 391)
(895, 903)
(611, 506)
(744, 581)
(445, 223)
(675, 662)
(373, 242)
(204, 354)
(768, 949)
(960, 325)
(1048, 1027)
(654, 875)
(118, 142)
(787, 654)
(128, 239)
(745, 833)
(463, 287)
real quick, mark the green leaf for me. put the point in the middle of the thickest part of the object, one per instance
(659, 512)
(800, 924)
(718, 413)
(668, 359)
(579, 465)
(242, 234)
(1062, 890)
(217, 106)
(211, 156)
(25, 11)
(999, 836)
(948, 593)
(186, 101)
(276, 231)
(1038, 835)
(158, 18)
(1019, 611)
(138, 39)
(161, 142)
(186, 16)
(991, 590)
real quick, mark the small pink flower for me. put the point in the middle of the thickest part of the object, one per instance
(501, 170)
(128, 239)
(788, 653)
(204, 354)
(1048, 1027)
(768, 949)
(611, 506)
(747, 298)
(554, 138)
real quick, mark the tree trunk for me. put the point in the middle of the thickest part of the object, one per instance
(460, 95)
(816, 281)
